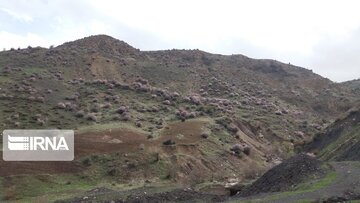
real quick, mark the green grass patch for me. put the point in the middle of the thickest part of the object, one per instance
(327, 180)
(308, 187)
(332, 150)
(49, 187)
(303, 188)
(31, 70)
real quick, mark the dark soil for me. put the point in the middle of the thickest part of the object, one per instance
(285, 175)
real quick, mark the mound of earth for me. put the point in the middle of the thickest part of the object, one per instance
(285, 175)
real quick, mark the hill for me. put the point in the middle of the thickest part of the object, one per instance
(172, 117)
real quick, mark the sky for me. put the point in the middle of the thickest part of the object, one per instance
(321, 35)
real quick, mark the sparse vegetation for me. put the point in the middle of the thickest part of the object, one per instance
(162, 117)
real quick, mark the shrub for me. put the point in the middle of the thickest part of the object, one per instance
(232, 128)
(112, 172)
(106, 105)
(240, 148)
(126, 117)
(91, 117)
(247, 150)
(237, 148)
(138, 124)
(95, 108)
(116, 118)
(169, 142)
(40, 99)
(86, 162)
(205, 135)
(121, 109)
(61, 105)
(166, 102)
(40, 122)
(80, 114)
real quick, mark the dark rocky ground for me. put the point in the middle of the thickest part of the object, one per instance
(285, 176)
(345, 187)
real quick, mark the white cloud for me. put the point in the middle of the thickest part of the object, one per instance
(10, 40)
(18, 16)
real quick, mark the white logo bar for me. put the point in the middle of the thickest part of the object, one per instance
(38, 145)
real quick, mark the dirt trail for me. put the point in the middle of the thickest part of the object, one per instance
(347, 182)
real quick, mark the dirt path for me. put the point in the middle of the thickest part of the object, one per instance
(347, 182)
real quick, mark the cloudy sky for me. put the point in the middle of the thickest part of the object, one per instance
(320, 35)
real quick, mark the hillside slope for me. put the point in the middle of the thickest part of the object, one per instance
(158, 117)
(340, 141)
(276, 99)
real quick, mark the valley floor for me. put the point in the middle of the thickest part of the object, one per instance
(340, 185)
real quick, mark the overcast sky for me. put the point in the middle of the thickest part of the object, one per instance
(320, 35)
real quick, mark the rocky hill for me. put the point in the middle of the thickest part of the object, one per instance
(184, 116)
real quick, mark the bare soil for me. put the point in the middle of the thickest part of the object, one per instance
(109, 141)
